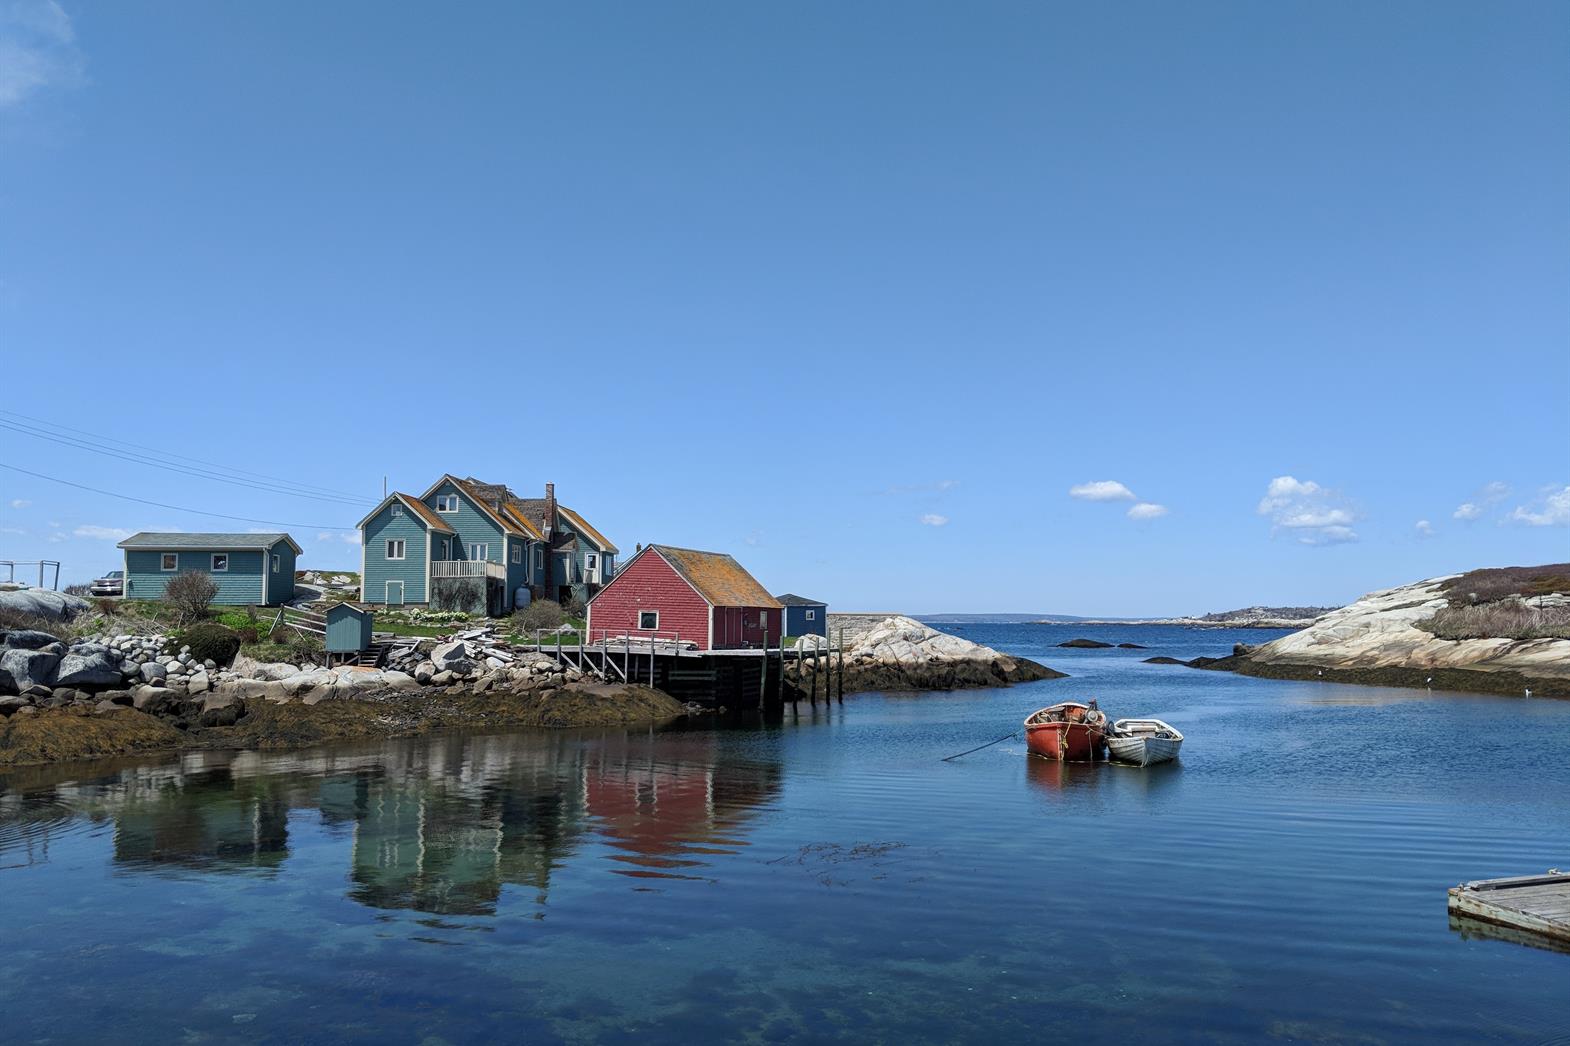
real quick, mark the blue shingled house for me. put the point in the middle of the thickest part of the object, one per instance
(479, 547)
(249, 569)
(803, 616)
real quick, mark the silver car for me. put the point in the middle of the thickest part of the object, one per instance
(111, 584)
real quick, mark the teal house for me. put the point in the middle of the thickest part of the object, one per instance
(480, 548)
(249, 569)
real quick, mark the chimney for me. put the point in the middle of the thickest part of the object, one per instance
(550, 511)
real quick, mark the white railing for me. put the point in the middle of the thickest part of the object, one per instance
(467, 568)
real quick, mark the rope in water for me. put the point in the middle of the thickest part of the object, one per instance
(989, 744)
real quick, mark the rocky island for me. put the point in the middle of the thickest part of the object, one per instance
(1500, 630)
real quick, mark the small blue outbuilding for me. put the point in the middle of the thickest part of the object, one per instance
(803, 616)
(248, 569)
(348, 628)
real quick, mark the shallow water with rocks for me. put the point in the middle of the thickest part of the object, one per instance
(822, 878)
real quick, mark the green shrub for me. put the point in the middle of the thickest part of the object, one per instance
(246, 625)
(210, 641)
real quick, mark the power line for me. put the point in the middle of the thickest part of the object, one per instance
(137, 459)
(181, 457)
(175, 508)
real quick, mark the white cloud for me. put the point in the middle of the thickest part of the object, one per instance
(1494, 492)
(21, 503)
(1316, 514)
(101, 533)
(1101, 490)
(324, 535)
(1467, 510)
(351, 537)
(1488, 494)
(1552, 509)
(37, 50)
(932, 519)
(1146, 510)
(1425, 528)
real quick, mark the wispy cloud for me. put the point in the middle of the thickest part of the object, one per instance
(1488, 495)
(1101, 490)
(97, 533)
(934, 487)
(12, 530)
(1146, 510)
(1316, 515)
(1551, 509)
(1467, 510)
(1425, 529)
(932, 519)
(21, 503)
(37, 50)
(754, 538)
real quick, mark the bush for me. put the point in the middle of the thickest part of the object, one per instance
(189, 595)
(1504, 619)
(540, 614)
(245, 625)
(79, 590)
(107, 607)
(1496, 583)
(210, 641)
(577, 607)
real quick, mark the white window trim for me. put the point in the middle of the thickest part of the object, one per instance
(450, 500)
(812, 615)
(539, 558)
(479, 551)
(277, 563)
(403, 549)
(168, 570)
(213, 563)
(649, 628)
(395, 511)
(517, 555)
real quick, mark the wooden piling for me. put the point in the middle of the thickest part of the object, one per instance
(841, 666)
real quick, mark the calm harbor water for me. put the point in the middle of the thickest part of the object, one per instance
(827, 878)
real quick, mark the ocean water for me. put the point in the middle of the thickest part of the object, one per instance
(826, 878)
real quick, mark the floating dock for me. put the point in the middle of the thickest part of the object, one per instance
(1533, 905)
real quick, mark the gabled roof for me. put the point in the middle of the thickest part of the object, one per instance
(582, 525)
(791, 600)
(475, 491)
(179, 542)
(423, 512)
(511, 510)
(533, 509)
(716, 577)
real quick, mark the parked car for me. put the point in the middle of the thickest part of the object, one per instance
(111, 584)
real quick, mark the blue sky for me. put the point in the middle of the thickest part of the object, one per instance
(858, 292)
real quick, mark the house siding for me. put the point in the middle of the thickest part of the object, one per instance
(796, 623)
(240, 585)
(280, 585)
(745, 627)
(650, 583)
(379, 569)
(517, 573)
(473, 526)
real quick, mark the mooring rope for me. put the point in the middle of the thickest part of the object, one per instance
(989, 744)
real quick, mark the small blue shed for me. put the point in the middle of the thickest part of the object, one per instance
(803, 616)
(348, 628)
(249, 569)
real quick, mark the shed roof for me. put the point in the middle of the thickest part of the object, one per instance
(179, 542)
(717, 577)
(790, 599)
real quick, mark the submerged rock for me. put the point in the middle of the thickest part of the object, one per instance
(1085, 644)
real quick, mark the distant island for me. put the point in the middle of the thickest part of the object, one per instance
(1247, 617)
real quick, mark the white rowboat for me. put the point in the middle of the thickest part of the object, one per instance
(1143, 742)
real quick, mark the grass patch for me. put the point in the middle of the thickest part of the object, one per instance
(1496, 583)
(1502, 619)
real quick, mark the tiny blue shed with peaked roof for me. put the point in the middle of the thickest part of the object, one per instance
(249, 569)
(803, 616)
(348, 628)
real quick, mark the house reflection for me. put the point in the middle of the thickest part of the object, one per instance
(443, 826)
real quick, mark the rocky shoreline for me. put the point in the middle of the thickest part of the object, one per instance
(902, 654)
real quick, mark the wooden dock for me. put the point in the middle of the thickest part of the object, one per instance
(1534, 905)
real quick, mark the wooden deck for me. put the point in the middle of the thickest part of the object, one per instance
(1537, 905)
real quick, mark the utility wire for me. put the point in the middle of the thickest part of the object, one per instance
(137, 459)
(359, 498)
(175, 508)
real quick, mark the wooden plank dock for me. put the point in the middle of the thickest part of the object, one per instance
(1537, 905)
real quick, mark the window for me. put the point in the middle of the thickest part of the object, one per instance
(446, 503)
(590, 561)
(395, 548)
(812, 615)
(277, 563)
(480, 551)
(445, 547)
(169, 561)
(396, 511)
(648, 620)
(517, 553)
(539, 558)
(220, 562)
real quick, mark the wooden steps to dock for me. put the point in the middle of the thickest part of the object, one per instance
(1537, 906)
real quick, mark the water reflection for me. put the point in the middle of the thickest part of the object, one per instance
(440, 826)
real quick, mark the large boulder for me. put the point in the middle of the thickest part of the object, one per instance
(26, 639)
(21, 669)
(153, 673)
(93, 668)
(451, 657)
(41, 602)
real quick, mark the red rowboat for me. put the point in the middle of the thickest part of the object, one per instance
(1071, 732)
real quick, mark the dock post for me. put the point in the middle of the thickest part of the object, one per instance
(813, 696)
(842, 667)
(651, 660)
(763, 677)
